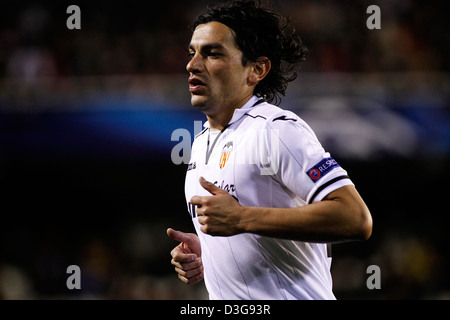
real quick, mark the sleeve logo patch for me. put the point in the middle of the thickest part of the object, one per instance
(321, 169)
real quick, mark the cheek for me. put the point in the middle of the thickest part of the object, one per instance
(232, 78)
(227, 77)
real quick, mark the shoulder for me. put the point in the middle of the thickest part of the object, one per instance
(274, 117)
(265, 111)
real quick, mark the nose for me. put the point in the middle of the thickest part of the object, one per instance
(194, 65)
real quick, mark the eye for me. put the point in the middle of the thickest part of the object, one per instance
(214, 54)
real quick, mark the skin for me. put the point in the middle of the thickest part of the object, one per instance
(226, 85)
(217, 62)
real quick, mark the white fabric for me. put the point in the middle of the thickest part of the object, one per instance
(272, 153)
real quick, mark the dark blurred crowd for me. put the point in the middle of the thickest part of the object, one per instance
(137, 37)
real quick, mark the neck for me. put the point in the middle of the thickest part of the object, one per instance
(221, 119)
(218, 122)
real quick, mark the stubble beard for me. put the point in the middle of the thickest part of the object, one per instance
(201, 104)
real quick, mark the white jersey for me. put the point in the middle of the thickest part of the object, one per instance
(265, 157)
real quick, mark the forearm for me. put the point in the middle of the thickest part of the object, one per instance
(334, 219)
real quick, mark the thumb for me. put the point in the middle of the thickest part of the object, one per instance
(178, 236)
(210, 187)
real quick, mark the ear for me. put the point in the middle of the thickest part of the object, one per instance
(260, 69)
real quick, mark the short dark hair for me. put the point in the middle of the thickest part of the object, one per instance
(260, 32)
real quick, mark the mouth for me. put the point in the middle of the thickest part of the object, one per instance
(196, 85)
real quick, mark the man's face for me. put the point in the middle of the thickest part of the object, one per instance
(218, 81)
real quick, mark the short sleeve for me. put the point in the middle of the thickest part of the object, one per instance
(297, 160)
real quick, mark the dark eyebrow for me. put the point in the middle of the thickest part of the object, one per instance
(208, 47)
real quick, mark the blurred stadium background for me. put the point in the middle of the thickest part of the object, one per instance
(86, 118)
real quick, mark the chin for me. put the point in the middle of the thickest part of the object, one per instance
(199, 102)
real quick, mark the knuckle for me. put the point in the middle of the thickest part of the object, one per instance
(203, 220)
(175, 256)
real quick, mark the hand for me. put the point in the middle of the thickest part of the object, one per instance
(219, 214)
(186, 257)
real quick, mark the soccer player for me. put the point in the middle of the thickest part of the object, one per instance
(265, 198)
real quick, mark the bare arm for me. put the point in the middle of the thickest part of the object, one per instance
(341, 216)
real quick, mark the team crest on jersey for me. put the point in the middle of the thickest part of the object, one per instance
(226, 151)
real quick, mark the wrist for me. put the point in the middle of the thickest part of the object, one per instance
(247, 219)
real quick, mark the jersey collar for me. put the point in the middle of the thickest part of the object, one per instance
(240, 112)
